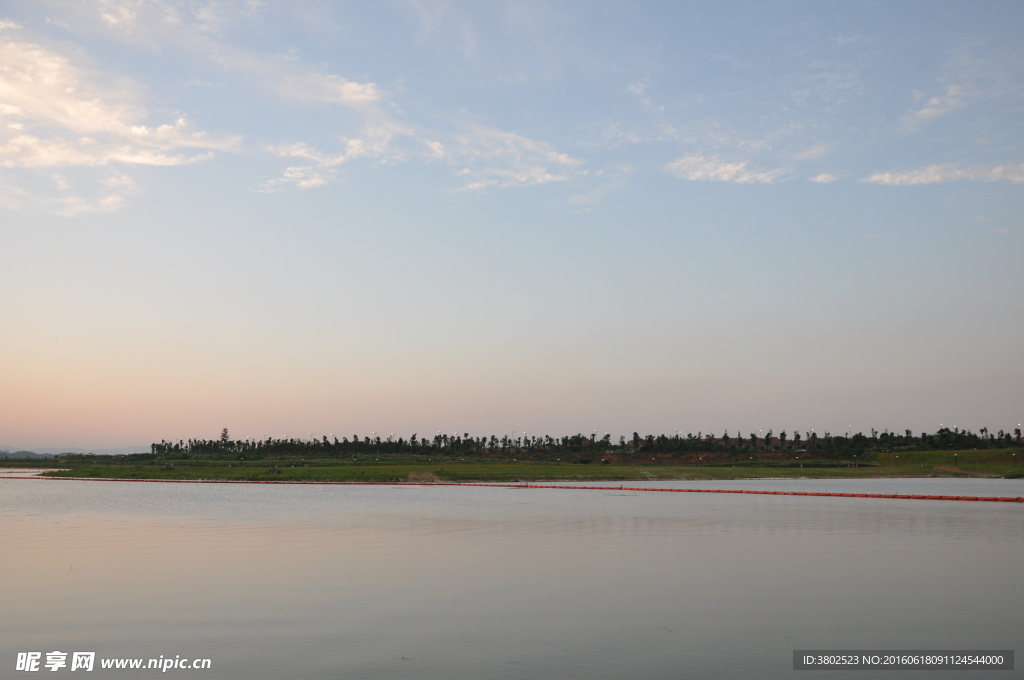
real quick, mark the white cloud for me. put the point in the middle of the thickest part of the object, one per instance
(70, 192)
(195, 26)
(479, 155)
(310, 86)
(137, 17)
(54, 113)
(607, 183)
(823, 178)
(491, 157)
(815, 151)
(937, 106)
(698, 167)
(639, 90)
(286, 77)
(950, 172)
(320, 167)
(484, 156)
(27, 151)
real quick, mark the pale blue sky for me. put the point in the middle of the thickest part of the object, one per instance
(328, 217)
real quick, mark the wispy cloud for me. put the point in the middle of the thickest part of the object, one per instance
(320, 167)
(639, 90)
(844, 40)
(196, 27)
(700, 168)
(823, 178)
(950, 172)
(55, 113)
(479, 156)
(607, 182)
(69, 192)
(137, 17)
(533, 40)
(28, 151)
(432, 18)
(936, 106)
(489, 157)
(815, 151)
(195, 30)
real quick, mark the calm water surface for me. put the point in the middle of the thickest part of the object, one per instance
(446, 582)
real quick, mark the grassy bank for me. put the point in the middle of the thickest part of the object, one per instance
(917, 464)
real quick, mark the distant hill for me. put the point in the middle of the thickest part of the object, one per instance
(22, 454)
(102, 452)
(50, 452)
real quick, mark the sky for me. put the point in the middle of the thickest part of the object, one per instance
(310, 218)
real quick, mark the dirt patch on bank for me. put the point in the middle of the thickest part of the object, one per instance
(949, 469)
(422, 477)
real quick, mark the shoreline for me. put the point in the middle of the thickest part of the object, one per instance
(915, 465)
(527, 485)
(497, 473)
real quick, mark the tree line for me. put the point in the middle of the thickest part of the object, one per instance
(581, 445)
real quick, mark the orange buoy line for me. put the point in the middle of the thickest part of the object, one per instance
(527, 485)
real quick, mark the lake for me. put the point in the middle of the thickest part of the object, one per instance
(461, 582)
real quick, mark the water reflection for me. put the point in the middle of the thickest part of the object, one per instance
(421, 582)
